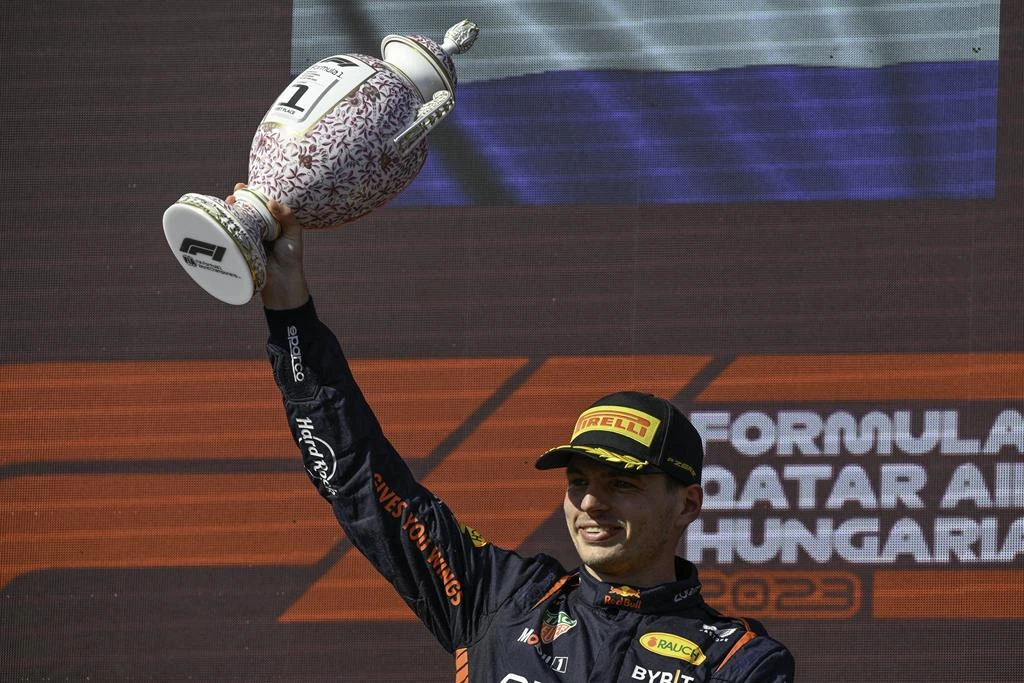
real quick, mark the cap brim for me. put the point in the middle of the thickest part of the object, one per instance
(561, 455)
(555, 458)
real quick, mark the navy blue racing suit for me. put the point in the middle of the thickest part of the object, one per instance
(505, 618)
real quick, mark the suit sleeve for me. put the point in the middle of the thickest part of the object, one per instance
(448, 575)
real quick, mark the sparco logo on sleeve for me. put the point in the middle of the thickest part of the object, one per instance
(296, 354)
(320, 460)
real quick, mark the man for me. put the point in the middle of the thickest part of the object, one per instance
(632, 612)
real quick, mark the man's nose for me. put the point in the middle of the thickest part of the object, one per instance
(593, 499)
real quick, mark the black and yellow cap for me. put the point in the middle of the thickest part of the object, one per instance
(634, 432)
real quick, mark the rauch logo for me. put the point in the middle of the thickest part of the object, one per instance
(670, 645)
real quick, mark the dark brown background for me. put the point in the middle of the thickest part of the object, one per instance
(112, 110)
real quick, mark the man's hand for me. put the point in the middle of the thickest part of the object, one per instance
(286, 281)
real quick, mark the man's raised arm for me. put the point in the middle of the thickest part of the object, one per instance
(448, 575)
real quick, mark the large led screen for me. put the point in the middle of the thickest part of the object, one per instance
(799, 221)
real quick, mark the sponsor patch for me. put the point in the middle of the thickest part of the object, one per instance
(623, 596)
(642, 674)
(553, 625)
(319, 456)
(671, 645)
(686, 594)
(295, 353)
(625, 591)
(719, 634)
(627, 422)
(475, 537)
(682, 465)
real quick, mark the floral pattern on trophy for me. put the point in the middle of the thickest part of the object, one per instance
(346, 166)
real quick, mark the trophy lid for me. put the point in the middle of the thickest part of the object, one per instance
(428, 65)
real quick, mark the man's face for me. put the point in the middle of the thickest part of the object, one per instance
(626, 526)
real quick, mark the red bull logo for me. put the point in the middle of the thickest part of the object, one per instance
(623, 596)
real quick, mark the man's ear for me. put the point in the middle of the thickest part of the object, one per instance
(693, 501)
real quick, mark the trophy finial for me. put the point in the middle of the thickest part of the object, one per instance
(460, 38)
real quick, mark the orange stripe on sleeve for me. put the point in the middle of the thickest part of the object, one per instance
(744, 639)
(461, 665)
(554, 589)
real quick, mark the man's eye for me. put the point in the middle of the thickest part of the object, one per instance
(624, 484)
(577, 482)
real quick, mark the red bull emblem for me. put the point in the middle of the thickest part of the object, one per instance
(625, 591)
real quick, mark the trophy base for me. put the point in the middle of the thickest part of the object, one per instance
(216, 248)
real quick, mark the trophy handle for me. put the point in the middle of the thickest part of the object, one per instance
(428, 116)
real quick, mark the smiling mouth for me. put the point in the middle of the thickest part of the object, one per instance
(597, 533)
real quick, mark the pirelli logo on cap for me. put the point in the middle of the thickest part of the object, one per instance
(627, 422)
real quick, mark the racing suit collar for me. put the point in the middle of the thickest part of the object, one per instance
(667, 597)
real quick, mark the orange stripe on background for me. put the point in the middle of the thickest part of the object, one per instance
(948, 594)
(200, 410)
(353, 591)
(128, 521)
(874, 377)
(494, 464)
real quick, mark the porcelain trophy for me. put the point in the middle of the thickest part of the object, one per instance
(345, 137)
